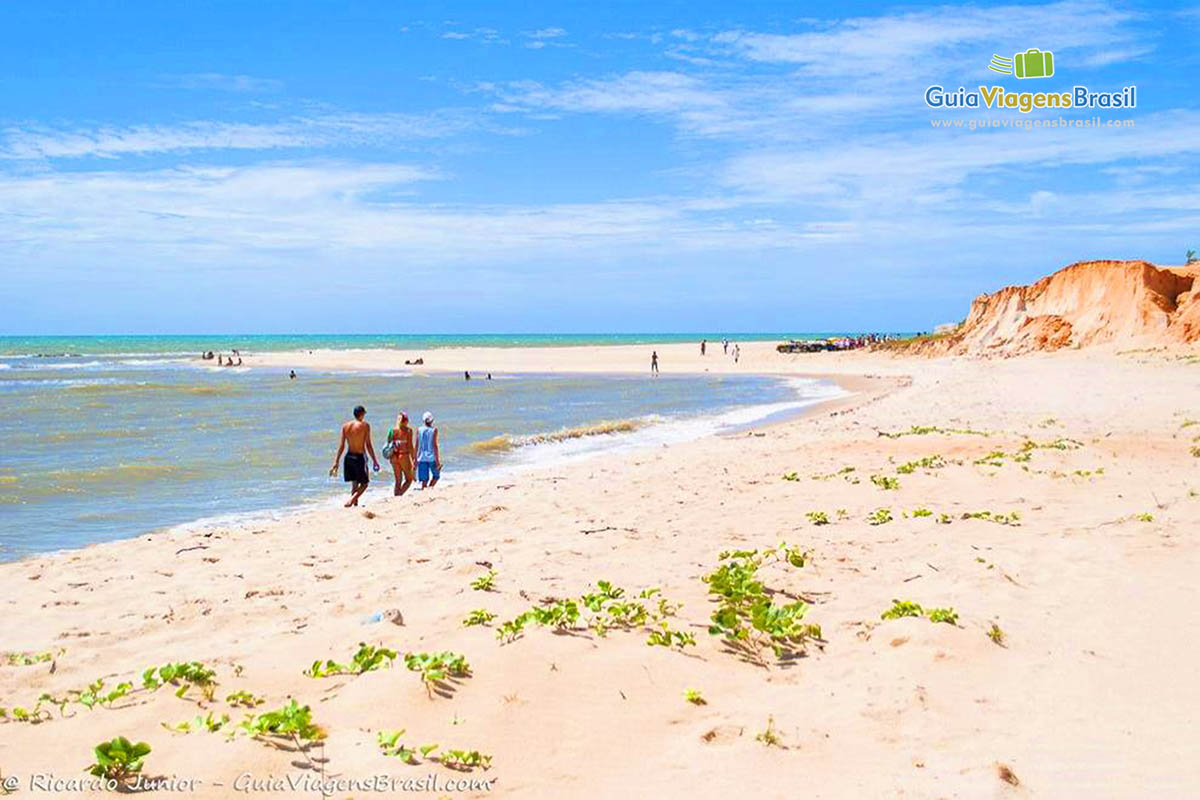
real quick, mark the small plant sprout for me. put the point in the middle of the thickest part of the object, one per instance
(185, 675)
(791, 476)
(694, 697)
(769, 737)
(485, 583)
(880, 516)
(886, 482)
(207, 723)
(27, 659)
(929, 462)
(944, 519)
(922, 512)
(479, 616)
(119, 760)
(435, 668)
(948, 615)
(997, 635)
(903, 608)
(818, 517)
(1144, 517)
(669, 638)
(291, 721)
(367, 658)
(244, 699)
(464, 760)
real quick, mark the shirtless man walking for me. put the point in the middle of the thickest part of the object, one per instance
(356, 438)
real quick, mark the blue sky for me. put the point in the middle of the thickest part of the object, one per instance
(504, 167)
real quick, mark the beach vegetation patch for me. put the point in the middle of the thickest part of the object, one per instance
(291, 721)
(243, 698)
(769, 736)
(119, 760)
(922, 512)
(184, 675)
(368, 657)
(885, 482)
(747, 617)
(880, 516)
(818, 517)
(436, 669)
(1013, 518)
(485, 583)
(479, 616)
(456, 759)
(694, 697)
(903, 608)
(207, 722)
(925, 430)
(27, 659)
(928, 462)
(997, 635)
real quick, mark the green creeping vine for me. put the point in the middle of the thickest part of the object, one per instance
(206, 722)
(292, 721)
(243, 698)
(119, 760)
(461, 760)
(907, 608)
(367, 658)
(922, 430)
(880, 516)
(929, 462)
(1000, 519)
(886, 482)
(746, 617)
(485, 583)
(607, 609)
(435, 668)
(185, 675)
(479, 616)
(28, 659)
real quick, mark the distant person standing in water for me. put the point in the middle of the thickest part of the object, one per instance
(356, 439)
(654, 362)
(400, 453)
(292, 375)
(429, 454)
(703, 345)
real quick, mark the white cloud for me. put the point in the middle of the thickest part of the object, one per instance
(219, 82)
(321, 130)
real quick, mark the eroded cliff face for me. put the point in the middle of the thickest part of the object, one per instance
(1133, 303)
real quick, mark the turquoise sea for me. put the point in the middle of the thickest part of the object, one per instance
(104, 438)
(189, 344)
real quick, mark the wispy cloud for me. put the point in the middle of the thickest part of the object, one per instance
(323, 130)
(215, 81)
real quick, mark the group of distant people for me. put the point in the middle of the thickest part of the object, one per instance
(407, 450)
(222, 359)
(727, 347)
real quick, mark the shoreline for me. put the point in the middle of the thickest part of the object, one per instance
(851, 386)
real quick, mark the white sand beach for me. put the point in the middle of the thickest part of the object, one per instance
(1085, 559)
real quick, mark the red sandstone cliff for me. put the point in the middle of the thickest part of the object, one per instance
(1088, 303)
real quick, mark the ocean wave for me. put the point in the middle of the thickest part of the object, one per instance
(5, 366)
(98, 387)
(505, 442)
(80, 365)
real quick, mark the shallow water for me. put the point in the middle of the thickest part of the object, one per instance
(98, 448)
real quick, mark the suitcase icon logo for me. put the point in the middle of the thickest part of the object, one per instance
(1033, 63)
